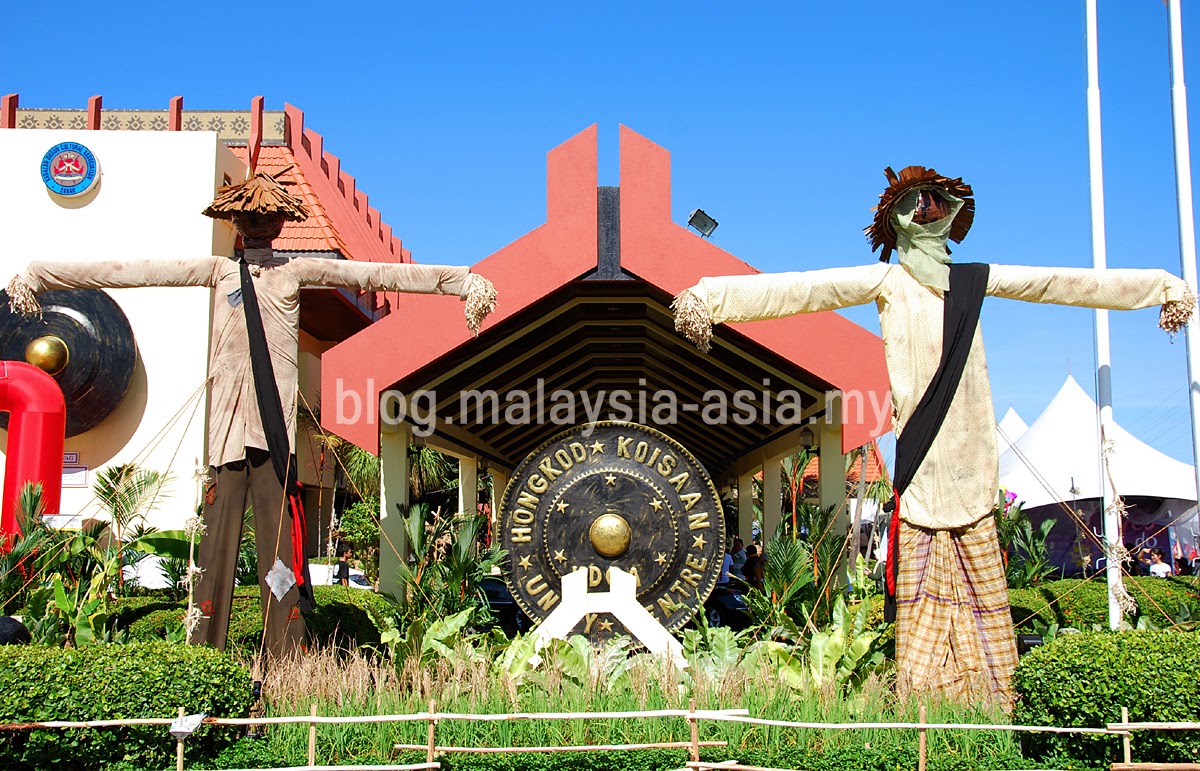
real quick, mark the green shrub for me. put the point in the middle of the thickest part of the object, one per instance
(1082, 604)
(1083, 681)
(141, 680)
(342, 617)
(249, 752)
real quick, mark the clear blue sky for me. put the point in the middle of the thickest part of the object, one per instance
(780, 119)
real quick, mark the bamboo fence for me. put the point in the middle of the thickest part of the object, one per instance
(1125, 729)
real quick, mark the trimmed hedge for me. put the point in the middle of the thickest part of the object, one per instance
(101, 682)
(1084, 603)
(1083, 681)
(345, 617)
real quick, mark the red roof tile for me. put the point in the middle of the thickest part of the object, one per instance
(315, 234)
(876, 469)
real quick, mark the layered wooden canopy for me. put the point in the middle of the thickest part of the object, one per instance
(584, 308)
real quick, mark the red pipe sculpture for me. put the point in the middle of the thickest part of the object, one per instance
(36, 430)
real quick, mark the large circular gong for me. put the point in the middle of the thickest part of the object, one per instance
(625, 496)
(84, 341)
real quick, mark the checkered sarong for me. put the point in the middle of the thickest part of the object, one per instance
(954, 632)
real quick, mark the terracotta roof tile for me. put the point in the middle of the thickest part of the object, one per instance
(315, 234)
(875, 467)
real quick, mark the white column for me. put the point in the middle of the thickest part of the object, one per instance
(772, 502)
(499, 483)
(394, 481)
(1187, 225)
(468, 486)
(746, 506)
(831, 464)
(1112, 520)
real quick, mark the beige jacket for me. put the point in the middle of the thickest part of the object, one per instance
(958, 481)
(233, 420)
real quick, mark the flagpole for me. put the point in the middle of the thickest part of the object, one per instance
(1187, 227)
(1112, 523)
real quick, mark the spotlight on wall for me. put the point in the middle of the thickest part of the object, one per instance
(703, 223)
(807, 438)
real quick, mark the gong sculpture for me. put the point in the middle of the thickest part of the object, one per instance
(83, 340)
(624, 496)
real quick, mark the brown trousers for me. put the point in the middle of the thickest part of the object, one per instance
(233, 486)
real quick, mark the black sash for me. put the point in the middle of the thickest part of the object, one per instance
(960, 317)
(270, 410)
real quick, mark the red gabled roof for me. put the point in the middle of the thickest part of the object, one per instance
(315, 234)
(876, 469)
(831, 348)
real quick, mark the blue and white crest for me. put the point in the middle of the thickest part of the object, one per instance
(69, 169)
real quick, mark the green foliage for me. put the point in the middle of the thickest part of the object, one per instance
(448, 564)
(249, 752)
(846, 652)
(77, 574)
(114, 682)
(20, 554)
(1084, 604)
(781, 608)
(360, 525)
(1085, 679)
(343, 617)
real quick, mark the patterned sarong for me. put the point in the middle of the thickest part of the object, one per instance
(954, 629)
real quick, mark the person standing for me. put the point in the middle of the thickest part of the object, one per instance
(342, 574)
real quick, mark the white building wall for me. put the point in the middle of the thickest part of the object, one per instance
(153, 187)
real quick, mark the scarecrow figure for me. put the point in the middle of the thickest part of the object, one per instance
(252, 386)
(947, 591)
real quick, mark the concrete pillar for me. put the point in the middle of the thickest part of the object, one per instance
(499, 483)
(772, 503)
(468, 486)
(746, 504)
(394, 483)
(832, 465)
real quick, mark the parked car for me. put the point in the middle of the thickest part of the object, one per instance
(725, 607)
(508, 614)
(322, 575)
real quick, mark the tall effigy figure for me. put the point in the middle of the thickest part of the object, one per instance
(252, 387)
(947, 589)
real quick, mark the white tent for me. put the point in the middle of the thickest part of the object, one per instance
(1057, 458)
(1010, 429)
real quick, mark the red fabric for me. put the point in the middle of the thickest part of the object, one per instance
(299, 537)
(893, 551)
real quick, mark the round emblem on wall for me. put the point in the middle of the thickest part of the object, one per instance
(69, 169)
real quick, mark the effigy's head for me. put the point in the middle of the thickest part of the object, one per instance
(921, 196)
(258, 208)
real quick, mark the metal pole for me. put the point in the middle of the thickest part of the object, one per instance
(1187, 226)
(1112, 524)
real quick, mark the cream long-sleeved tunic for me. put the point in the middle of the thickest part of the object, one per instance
(233, 419)
(957, 483)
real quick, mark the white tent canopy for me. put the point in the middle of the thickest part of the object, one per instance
(1010, 429)
(1061, 450)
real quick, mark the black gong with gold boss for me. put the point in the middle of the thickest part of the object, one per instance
(620, 495)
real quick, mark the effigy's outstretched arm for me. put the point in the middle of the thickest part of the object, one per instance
(772, 296)
(107, 274)
(1115, 289)
(477, 291)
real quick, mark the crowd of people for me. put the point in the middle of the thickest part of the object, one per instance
(1154, 562)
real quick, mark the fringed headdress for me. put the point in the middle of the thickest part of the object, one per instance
(882, 233)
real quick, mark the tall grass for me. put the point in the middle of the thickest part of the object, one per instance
(350, 684)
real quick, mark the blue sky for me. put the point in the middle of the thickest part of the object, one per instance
(780, 119)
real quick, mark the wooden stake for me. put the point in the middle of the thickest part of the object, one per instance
(432, 729)
(1126, 740)
(921, 739)
(312, 737)
(179, 749)
(695, 750)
